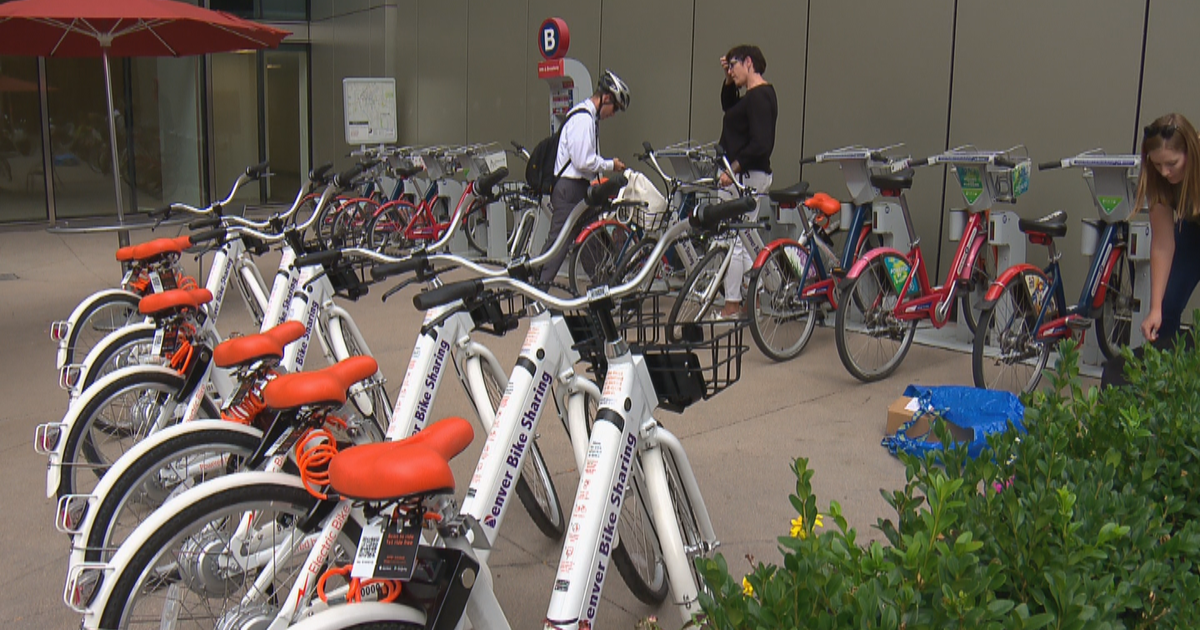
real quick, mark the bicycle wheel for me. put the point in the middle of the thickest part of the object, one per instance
(385, 230)
(188, 564)
(181, 462)
(1115, 320)
(702, 291)
(638, 555)
(970, 303)
(685, 515)
(114, 418)
(98, 320)
(476, 224)
(871, 342)
(323, 227)
(781, 322)
(594, 259)
(127, 348)
(1007, 355)
(535, 486)
(633, 260)
(350, 223)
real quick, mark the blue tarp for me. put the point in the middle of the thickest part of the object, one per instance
(981, 411)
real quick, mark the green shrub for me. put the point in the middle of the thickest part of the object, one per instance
(1087, 521)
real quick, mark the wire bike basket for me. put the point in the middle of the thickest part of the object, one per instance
(706, 362)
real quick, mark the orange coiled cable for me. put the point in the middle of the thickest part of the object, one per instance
(185, 282)
(246, 409)
(183, 355)
(313, 453)
(389, 589)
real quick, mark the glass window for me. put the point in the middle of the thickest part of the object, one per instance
(22, 176)
(286, 97)
(235, 121)
(264, 9)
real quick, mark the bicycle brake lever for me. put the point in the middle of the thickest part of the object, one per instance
(396, 289)
(441, 319)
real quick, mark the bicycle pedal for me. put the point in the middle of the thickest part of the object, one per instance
(837, 272)
(1079, 324)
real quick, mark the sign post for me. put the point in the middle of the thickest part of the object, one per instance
(569, 80)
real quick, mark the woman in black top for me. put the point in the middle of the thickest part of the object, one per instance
(748, 137)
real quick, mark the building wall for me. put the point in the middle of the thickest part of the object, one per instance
(1058, 77)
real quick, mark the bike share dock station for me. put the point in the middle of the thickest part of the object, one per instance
(1112, 181)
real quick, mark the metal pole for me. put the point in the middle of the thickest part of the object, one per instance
(122, 235)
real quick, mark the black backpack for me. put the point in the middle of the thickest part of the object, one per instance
(539, 170)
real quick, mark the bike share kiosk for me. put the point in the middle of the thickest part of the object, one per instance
(1112, 180)
(570, 82)
(859, 165)
(987, 178)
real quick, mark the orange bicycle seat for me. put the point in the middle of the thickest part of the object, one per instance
(391, 470)
(251, 348)
(324, 386)
(150, 249)
(159, 303)
(823, 202)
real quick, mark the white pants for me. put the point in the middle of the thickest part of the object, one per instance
(741, 262)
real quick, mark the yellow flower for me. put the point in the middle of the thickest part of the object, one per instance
(747, 590)
(798, 530)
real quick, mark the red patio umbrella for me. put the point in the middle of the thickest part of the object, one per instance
(124, 28)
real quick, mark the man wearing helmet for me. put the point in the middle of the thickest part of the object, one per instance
(579, 161)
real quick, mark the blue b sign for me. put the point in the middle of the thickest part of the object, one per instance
(554, 38)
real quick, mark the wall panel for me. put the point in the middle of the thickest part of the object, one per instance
(879, 74)
(497, 72)
(441, 71)
(1070, 85)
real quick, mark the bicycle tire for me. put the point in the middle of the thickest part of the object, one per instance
(98, 320)
(122, 350)
(81, 445)
(197, 525)
(690, 306)
(535, 485)
(776, 305)
(477, 219)
(685, 517)
(137, 484)
(970, 302)
(1114, 322)
(638, 555)
(350, 223)
(866, 306)
(633, 260)
(594, 258)
(385, 229)
(1009, 325)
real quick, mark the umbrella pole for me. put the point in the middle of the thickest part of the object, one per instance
(122, 235)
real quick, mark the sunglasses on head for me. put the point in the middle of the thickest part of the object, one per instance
(1166, 131)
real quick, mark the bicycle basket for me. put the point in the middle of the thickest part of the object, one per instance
(639, 319)
(498, 311)
(687, 372)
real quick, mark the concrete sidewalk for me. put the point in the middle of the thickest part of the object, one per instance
(740, 443)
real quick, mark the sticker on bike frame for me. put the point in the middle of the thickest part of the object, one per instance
(970, 179)
(1109, 203)
(126, 278)
(1020, 179)
(1039, 289)
(898, 270)
(159, 337)
(156, 282)
(797, 259)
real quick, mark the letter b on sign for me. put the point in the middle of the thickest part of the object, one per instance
(553, 38)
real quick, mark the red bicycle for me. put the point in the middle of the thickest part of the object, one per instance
(887, 292)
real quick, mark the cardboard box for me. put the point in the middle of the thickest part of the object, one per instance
(901, 411)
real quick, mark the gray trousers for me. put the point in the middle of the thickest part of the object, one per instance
(566, 195)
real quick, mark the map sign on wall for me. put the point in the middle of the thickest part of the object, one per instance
(370, 110)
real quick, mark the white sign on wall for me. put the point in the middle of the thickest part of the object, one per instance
(370, 109)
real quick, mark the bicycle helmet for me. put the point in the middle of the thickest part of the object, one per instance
(613, 84)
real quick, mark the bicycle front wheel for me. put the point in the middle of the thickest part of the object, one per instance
(535, 486)
(1007, 354)
(385, 230)
(871, 341)
(781, 321)
(701, 291)
(633, 260)
(1115, 320)
(970, 304)
(594, 259)
(638, 555)
(195, 570)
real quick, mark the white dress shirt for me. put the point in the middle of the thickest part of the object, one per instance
(578, 144)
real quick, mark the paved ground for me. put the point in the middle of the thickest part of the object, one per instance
(740, 443)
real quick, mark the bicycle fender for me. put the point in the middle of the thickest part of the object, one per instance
(1105, 277)
(771, 247)
(972, 255)
(997, 287)
(595, 225)
(131, 457)
(140, 536)
(362, 613)
(109, 340)
(866, 259)
(86, 304)
(54, 465)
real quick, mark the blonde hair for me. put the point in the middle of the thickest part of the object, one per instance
(1152, 186)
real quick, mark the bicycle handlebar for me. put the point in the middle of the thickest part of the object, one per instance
(600, 193)
(258, 171)
(208, 223)
(319, 174)
(1046, 166)
(209, 235)
(1004, 162)
(447, 293)
(319, 258)
(387, 270)
(485, 183)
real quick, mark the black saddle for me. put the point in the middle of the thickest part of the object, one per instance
(1054, 225)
